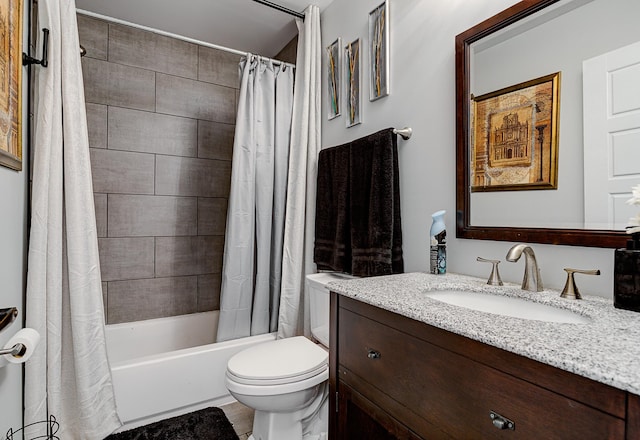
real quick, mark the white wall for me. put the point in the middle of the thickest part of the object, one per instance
(423, 97)
(13, 215)
(12, 230)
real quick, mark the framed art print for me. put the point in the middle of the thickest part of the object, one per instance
(379, 52)
(333, 77)
(515, 137)
(10, 84)
(352, 83)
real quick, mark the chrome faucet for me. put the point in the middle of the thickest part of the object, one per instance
(532, 280)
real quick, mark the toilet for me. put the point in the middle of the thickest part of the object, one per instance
(286, 381)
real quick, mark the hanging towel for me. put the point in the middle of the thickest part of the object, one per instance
(358, 227)
(332, 249)
(376, 229)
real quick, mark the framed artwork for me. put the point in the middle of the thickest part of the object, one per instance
(10, 84)
(334, 66)
(352, 83)
(379, 52)
(514, 137)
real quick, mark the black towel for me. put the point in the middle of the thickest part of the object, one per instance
(358, 227)
(332, 249)
(376, 229)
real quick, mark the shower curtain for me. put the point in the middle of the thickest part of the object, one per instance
(301, 188)
(273, 181)
(68, 376)
(255, 217)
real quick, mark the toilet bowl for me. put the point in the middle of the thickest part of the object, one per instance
(286, 381)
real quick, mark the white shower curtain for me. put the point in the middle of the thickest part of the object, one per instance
(301, 188)
(255, 219)
(281, 201)
(68, 376)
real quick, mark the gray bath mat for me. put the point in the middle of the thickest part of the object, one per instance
(206, 424)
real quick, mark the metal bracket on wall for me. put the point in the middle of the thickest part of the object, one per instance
(7, 316)
(28, 60)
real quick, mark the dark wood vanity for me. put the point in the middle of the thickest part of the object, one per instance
(392, 377)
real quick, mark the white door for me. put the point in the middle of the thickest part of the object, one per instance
(611, 95)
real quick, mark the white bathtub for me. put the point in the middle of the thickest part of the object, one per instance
(170, 366)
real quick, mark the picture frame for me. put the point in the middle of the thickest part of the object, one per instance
(353, 81)
(514, 137)
(334, 86)
(379, 52)
(11, 84)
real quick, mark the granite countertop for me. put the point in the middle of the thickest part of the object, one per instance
(607, 349)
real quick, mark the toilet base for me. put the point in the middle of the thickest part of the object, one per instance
(321, 436)
(271, 426)
(310, 423)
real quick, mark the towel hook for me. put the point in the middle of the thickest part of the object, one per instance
(28, 60)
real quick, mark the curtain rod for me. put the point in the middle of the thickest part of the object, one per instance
(176, 36)
(280, 8)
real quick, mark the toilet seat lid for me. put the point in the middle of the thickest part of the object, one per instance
(287, 359)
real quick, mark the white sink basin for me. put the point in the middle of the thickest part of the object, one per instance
(507, 306)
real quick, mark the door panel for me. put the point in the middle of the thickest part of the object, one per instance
(611, 92)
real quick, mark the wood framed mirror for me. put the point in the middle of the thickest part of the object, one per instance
(524, 14)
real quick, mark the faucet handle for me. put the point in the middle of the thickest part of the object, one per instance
(494, 278)
(570, 290)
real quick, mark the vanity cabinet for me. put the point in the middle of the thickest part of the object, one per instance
(394, 377)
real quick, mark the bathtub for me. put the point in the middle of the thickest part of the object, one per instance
(170, 366)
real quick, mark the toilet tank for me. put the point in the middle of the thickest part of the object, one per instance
(319, 302)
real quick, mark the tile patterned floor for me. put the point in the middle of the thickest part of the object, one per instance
(241, 417)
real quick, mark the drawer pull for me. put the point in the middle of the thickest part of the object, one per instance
(501, 422)
(373, 354)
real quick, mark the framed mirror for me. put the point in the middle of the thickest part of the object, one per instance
(511, 53)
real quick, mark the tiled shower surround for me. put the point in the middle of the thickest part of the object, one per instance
(161, 114)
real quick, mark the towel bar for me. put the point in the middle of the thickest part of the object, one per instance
(405, 132)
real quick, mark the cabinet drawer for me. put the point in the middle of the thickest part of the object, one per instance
(454, 392)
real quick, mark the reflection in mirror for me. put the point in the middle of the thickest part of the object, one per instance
(598, 127)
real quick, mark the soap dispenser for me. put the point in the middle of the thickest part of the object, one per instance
(626, 275)
(438, 244)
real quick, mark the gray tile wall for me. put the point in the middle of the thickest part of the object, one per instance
(160, 114)
(289, 52)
